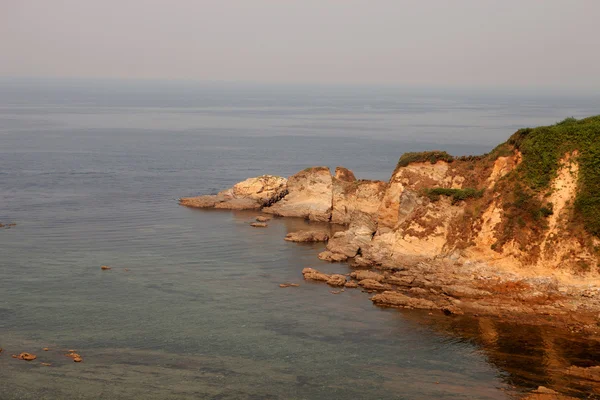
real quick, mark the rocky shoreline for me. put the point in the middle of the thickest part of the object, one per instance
(400, 244)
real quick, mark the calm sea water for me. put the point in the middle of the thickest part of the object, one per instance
(90, 172)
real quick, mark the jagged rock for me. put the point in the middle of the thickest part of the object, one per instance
(332, 257)
(307, 236)
(351, 284)
(336, 280)
(259, 224)
(309, 196)
(344, 175)
(371, 284)
(402, 280)
(253, 193)
(353, 198)
(363, 274)
(314, 275)
(396, 299)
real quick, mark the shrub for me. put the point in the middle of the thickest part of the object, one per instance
(424, 156)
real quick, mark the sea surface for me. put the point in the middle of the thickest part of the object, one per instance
(90, 171)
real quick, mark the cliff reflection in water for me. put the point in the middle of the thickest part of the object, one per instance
(530, 355)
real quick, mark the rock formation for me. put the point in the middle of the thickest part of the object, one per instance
(253, 193)
(509, 230)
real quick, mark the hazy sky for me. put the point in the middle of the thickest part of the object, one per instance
(434, 42)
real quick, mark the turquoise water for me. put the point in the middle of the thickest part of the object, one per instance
(192, 308)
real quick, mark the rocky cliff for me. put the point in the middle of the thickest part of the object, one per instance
(532, 203)
(516, 230)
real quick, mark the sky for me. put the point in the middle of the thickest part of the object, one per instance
(474, 43)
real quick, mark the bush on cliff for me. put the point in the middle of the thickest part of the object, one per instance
(545, 146)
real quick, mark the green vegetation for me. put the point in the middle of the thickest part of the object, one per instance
(456, 194)
(424, 156)
(545, 146)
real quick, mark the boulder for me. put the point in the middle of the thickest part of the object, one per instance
(314, 275)
(262, 218)
(307, 236)
(351, 284)
(258, 224)
(26, 356)
(309, 196)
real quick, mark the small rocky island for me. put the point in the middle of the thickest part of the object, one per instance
(511, 233)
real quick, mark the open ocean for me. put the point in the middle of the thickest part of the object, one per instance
(90, 171)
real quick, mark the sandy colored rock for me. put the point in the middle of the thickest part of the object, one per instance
(371, 284)
(544, 393)
(253, 193)
(314, 275)
(396, 299)
(402, 280)
(589, 373)
(46, 364)
(76, 357)
(26, 356)
(332, 257)
(45, 349)
(262, 218)
(309, 196)
(462, 291)
(307, 236)
(351, 284)
(336, 280)
(105, 268)
(364, 274)
(199, 201)
(259, 224)
(352, 198)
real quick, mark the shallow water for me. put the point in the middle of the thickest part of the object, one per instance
(192, 308)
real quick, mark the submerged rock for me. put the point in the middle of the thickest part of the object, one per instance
(259, 224)
(307, 236)
(286, 285)
(105, 268)
(262, 218)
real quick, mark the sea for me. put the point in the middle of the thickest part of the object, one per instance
(90, 173)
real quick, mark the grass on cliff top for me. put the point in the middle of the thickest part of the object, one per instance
(545, 146)
(424, 156)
